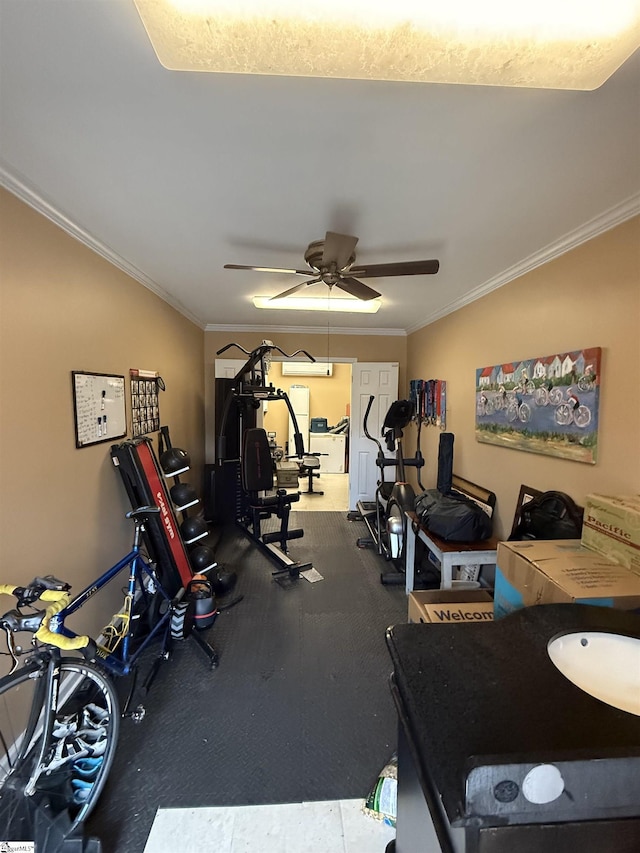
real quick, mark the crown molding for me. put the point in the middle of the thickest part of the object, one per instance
(305, 330)
(20, 187)
(593, 228)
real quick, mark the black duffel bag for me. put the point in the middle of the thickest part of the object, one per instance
(453, 516)
(551, 515)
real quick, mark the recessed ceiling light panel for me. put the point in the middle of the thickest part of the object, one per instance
(319, 303)
(560, 44)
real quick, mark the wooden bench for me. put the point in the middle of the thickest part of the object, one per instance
(451, 554)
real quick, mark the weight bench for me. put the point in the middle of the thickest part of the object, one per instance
(309, 465)
(257, 478)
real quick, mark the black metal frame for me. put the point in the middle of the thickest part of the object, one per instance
(390, 492)
(245, 392)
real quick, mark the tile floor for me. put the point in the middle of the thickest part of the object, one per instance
(334, 499)
(334, 826)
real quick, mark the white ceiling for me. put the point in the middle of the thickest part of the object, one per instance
(172, 174)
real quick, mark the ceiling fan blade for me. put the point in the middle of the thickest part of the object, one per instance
(357, 288)
(266, 269)
(400, 268)
(296, 287)
(338, 249)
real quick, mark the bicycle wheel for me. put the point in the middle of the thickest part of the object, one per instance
(541, 397)
(582, 416)
(524, 413)
(563, 414)
(512, 410)
(64, 789)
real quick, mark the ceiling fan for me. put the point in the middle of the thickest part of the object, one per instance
(332, 262)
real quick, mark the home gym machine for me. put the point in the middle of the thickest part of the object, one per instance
(385, 516)
(244, 462)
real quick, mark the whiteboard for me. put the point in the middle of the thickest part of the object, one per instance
(99, 408)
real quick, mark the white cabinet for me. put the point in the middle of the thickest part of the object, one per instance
(334, 446)
(299, 399)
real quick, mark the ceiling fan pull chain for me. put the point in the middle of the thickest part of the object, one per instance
(328, 322)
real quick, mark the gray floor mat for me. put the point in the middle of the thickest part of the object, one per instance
(299, 708)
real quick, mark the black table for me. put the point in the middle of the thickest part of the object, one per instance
(483, 712)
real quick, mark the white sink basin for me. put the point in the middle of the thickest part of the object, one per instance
(606, 666)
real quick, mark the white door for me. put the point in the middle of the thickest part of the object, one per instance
(381, 380)
(227, 368)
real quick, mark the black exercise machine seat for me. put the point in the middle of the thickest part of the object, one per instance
(257, 471)
(257, 476)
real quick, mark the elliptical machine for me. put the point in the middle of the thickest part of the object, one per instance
(385, 516)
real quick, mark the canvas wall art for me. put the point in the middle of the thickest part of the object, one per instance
(543, 405)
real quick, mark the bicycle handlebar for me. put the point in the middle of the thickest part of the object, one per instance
(43, 589)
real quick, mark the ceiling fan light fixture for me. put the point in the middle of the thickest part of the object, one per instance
(558, 44)
(319, 303)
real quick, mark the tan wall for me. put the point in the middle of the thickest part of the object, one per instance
(588, 297)
(360, 347)
(64, 308)
(329, 397)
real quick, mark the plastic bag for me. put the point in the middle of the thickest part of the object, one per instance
(382, 802)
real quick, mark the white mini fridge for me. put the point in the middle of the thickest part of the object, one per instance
(299, 398)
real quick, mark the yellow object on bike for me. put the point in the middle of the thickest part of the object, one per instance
(44, 634)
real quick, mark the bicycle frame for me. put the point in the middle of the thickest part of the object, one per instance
(138, 567)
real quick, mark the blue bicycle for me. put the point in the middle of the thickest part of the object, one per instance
(59, 716)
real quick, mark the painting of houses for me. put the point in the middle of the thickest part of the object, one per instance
(547, 404)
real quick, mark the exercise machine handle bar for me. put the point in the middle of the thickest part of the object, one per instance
(244, 389)
(366, 428)
(257, 355)
(297, 435)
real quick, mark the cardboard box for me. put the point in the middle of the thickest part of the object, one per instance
(557, 571)
(450, 606)
(611, 526)
(287, 475)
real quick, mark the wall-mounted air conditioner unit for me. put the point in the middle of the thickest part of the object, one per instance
(307, 368)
